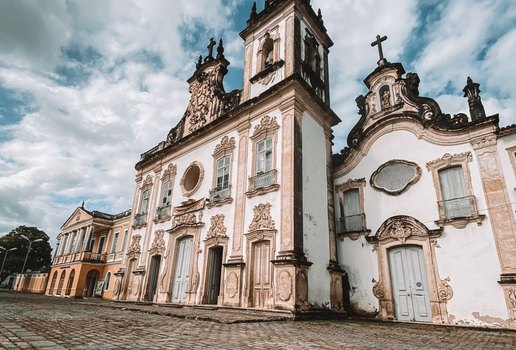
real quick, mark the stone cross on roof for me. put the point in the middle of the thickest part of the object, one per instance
(378, 41)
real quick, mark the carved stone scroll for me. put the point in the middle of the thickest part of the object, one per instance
(262, 219)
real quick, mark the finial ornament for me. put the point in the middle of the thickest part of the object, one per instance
(476, 108)
(199, 62)
(253, 10)
(220, 50)
(319, 16)
(378, 42)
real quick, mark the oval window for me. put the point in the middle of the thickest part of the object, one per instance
(192, 178)
(395, 176)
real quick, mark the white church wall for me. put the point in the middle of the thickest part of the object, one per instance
(361, 264)
(315, 210)
(467, 256)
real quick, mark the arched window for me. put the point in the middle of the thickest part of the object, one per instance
(267, 52)
(61, 282)
(106, 282)
(70, 283)
(53, 284)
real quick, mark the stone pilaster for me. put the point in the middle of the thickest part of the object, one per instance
(500, 215)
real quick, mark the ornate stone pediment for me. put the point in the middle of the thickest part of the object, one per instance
(267, 124)
(217, 228)
(171, 170)
(262, 219)
(449, 159)
(401, 228)
(158, 244)
(208, 99)
(134, 249)
(226, 145)
(147, 182)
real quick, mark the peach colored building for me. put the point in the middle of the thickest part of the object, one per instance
(89, 253)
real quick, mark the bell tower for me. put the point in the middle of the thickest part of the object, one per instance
(286, 38)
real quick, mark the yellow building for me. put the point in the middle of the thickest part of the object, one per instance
(89, 252)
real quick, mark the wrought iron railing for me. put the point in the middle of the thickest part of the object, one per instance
(220, 193)
(262, 180)
(352, 223)
(163, 212)
(458, 207)
(139, 219)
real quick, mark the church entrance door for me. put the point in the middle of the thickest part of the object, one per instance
(261, 273)
(152, 283)
(409, 284)
(182, 273)
(215, 267)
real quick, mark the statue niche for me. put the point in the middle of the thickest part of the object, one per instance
(385, 97)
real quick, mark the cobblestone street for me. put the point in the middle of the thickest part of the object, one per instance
(33, 321)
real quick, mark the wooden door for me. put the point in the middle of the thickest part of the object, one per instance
(152, 283)
(182, 270)
(261, 274)
(409, 284)
(215, 267)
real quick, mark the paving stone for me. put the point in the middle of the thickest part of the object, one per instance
(64, 324)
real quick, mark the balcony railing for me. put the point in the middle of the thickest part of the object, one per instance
(139, 219)
(163, 212)
(262, 180)
(352, 223)
(81, 256)
(458, 207)
(220, 193)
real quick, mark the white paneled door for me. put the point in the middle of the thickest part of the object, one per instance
(409, 284)
(261, 277)
(182, 271)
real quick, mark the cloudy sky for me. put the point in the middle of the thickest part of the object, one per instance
(86, 86)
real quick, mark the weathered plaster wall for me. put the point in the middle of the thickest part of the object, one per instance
(315, 211)
(467, 256)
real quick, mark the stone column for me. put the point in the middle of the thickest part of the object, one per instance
(233, 279)
(501, 217)
(248, 69)
(291, 265)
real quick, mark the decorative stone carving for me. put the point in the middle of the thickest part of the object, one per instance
(147, 182)
(395, 176)
(231, 285)
(302, 282)
(350, 183)
(476, 108)
(226, 145)
(484, 142)
(385, 99)
(449, 159)
(184, 220)
(266, 124)
(171, 170)
(336, 292)
(379, 290)
(511, 295)
(217, 228)
(402, 227)
(158, 244)
(262, 219)
(445, 291)
(284, 285)
(134, 248)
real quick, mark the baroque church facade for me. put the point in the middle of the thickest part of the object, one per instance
(244, 204)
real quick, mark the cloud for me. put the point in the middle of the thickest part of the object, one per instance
(87, 86)
(106, 82)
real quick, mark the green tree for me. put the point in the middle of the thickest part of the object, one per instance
(40, 253)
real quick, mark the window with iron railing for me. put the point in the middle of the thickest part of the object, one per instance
(220, 193)
(352, 223)
(139, 219)
(455, 201)
(262, 180)
(163, 212)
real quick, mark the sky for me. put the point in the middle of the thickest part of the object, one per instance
(87, 86)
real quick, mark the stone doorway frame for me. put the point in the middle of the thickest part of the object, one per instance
(404, 230)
